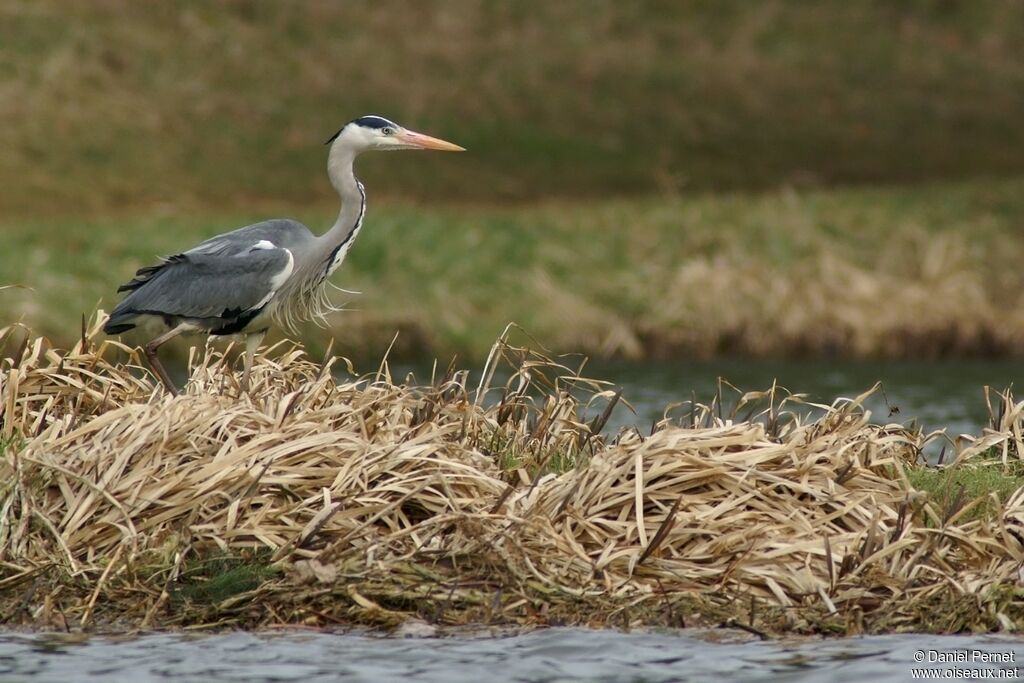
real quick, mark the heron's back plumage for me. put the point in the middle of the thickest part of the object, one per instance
(220, 286)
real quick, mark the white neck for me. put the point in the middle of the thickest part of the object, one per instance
(335, 243)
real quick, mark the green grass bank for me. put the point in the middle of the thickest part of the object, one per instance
(901, 271)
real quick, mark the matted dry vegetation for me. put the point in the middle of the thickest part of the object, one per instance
(318, 501)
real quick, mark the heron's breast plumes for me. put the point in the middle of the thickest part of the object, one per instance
(305, 296)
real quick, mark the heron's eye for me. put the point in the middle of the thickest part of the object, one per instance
(388, 131)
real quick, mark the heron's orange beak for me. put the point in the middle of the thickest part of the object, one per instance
(421, 141)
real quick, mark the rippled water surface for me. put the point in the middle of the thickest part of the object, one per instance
(938, 394)
(548, 655)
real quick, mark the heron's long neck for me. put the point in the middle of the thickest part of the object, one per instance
(335, 243)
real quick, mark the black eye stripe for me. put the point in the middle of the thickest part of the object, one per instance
(374, 122)
(371, 121)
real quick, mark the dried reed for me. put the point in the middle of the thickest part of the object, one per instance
(313, 500)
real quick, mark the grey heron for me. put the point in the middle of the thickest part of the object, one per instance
(272, 272)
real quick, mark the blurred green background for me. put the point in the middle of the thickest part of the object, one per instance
(643, 178)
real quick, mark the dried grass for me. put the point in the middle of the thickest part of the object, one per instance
(371, 501)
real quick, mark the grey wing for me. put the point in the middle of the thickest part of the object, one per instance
(280, 232)
(222, 291)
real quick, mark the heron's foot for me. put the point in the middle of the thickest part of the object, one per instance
(165, 379)
(154, 360)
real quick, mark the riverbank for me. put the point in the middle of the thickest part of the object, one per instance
(370, 502)
(921, 272)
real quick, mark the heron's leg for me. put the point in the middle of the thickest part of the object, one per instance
(154, 360)
(252, 342)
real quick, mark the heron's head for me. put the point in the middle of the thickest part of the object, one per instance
(377, 132)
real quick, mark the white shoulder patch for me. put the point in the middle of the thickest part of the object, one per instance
(264, 244)
(278, 280)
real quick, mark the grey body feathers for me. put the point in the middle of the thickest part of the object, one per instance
(282, 232)
(221, 286)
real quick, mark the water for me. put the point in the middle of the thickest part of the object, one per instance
(550, 656)
(937, 394)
